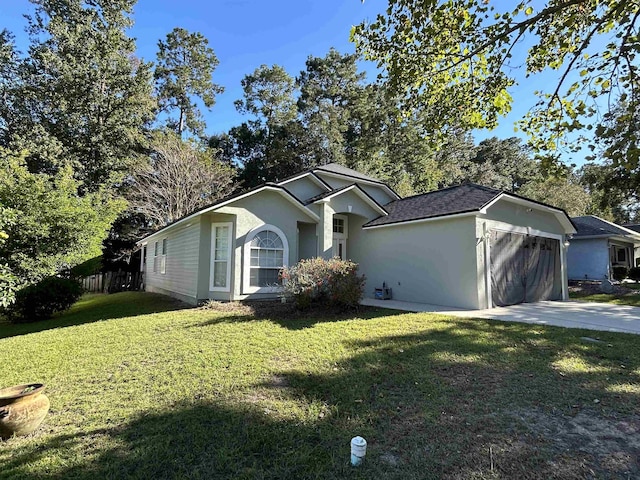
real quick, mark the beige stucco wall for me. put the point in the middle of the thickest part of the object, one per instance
(428, 262)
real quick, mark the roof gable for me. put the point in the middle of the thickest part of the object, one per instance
(234, 198)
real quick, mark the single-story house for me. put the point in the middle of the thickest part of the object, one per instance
(466, 246)
(598, 246)
(636, 251)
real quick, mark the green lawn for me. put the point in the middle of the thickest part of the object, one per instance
(633, 299)
(194, 393)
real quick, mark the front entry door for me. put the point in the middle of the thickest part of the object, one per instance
(340, 248)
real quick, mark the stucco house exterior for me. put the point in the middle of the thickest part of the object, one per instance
(467, 246)
(598, 246)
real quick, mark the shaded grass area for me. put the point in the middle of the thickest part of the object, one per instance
(626, 299)
(96, 307)
(196, 393)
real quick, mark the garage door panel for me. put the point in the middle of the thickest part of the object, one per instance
(524, 268)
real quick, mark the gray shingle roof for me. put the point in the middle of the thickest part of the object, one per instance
(590, 225)
(336, 168)
(448, 201)
(633, 226)
(326, 194)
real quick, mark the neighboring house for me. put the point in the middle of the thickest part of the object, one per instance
(598, 246)
(466, 246)
(636, 251)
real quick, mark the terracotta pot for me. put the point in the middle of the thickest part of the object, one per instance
(22, 409)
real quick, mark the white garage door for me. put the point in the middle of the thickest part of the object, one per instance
(524, 268)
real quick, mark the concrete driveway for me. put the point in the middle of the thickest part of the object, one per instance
(592, 316)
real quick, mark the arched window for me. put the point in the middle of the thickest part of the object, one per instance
(266, 252)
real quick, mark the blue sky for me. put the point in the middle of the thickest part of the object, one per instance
(247, 33)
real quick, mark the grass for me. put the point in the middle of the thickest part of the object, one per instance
(141, 388)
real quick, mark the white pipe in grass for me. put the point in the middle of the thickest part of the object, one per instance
(358, 450)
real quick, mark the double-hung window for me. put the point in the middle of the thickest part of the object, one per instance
(155, 257)
(163, 258)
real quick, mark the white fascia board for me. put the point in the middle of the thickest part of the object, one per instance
(372, 203)
(423, 220)
(623, 239)
(283, 192)
(311, 176)
(360, 180)
(560, 215)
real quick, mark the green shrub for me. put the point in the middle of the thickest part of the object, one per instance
(41, 300)
(634, 274)
(620, 273)
(315, 280)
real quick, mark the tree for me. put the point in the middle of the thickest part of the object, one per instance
(273, 143)
(48, 226)
(565, 193)
(456, 59)
(613, 189)
(9, 80)
(269, 95)
(180, 178)
(86, 100)
(330, 88)
(185, 65)
(503, 164)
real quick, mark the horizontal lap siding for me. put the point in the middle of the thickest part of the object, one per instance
(182, 261)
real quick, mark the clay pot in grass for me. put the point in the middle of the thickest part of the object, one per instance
(22, 409)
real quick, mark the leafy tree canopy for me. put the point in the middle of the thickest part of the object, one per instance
(47, 225)
(456, 59)
(82, 97)
(184, 70)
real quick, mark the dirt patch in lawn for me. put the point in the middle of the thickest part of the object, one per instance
(586, 288)
(609, 447)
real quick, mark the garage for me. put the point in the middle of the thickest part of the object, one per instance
(524, 268)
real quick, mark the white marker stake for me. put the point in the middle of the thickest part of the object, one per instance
(358, 450)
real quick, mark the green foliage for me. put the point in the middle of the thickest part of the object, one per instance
(82, 98)
(85, 269)
(454, 60)
(52, 227)
(333, 282)
(184, 70)
(42, 300)
(338, 118)
(634, 274)
(565, 193)
(619, 273)
(503, 164)
(269, 95)
(8, 286)
(331, 91)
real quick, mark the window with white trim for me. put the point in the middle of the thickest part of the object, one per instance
(220, 277)
(163, 258)
(155, 257)
(266, 252)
